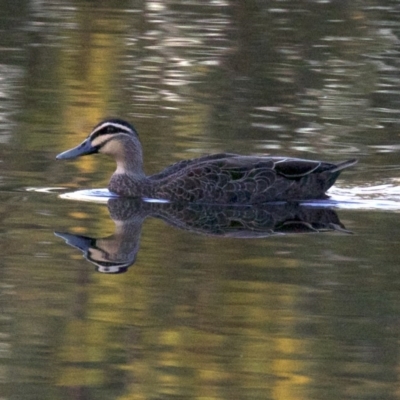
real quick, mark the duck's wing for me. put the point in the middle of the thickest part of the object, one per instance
(181, 165)
(247, 179)
(282, 178)
(293, 168)
(223, 180)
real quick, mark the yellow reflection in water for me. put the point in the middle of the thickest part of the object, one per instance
(89, 76)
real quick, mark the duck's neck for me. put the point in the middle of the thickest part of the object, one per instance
(129, 159)
(129, 178)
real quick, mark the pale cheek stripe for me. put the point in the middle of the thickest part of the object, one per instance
(97, 131)
(100, 141)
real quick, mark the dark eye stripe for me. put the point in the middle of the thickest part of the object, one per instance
(108, 128)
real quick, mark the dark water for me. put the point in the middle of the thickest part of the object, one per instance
(202, 313)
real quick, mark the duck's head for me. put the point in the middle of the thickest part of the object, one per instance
(114, 137)
(104, 138)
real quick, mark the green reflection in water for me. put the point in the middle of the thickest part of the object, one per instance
(195, 317)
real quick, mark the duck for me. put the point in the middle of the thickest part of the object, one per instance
(223, 178)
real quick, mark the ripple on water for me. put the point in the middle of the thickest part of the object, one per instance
(378, 196)
(383, 196)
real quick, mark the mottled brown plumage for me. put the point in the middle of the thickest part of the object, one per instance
(216, 179)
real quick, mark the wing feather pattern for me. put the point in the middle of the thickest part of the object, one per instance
(229, 178)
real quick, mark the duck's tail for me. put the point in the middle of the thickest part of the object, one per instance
(343, 165)
(332, 174)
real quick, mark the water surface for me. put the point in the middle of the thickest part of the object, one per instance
(199, 314)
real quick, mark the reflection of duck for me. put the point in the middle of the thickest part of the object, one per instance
(218, 179)
(117, 252)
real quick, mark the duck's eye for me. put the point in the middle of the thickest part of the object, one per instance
(111, 129)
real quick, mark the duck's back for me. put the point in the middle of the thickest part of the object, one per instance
(231, 178)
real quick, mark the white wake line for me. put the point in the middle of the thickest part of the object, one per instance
(99, 196)
(384, 197)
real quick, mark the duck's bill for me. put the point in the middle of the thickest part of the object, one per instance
(83, 149)
(82, 243)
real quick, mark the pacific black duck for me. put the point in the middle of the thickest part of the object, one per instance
(223, 178)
